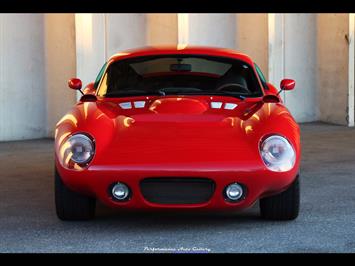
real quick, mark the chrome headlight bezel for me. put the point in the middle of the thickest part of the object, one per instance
(286, 160)
(78, 141)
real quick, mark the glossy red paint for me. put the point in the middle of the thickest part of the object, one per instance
(287, 84)
(272, 91)
(177, 136)
(195, 50)
(74, 83)
(89, 89)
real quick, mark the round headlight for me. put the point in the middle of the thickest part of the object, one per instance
(278, 154)
(79, 148)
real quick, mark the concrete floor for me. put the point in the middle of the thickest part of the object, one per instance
(326, 223)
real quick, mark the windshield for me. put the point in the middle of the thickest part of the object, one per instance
(179, 75)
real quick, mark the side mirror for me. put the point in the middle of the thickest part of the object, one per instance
(287, 84)
(271, 98)
(88, 98)
(75, 84)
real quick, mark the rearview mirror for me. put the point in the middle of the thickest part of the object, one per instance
(180, 67)
(74, 83)
(287, 84)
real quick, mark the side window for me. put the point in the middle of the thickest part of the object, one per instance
(103, 88)
(99, 76)
(261, 76)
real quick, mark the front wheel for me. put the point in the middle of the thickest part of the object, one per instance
(283, 206)
(71, 206)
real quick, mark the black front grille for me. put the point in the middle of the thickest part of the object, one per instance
(177, 190)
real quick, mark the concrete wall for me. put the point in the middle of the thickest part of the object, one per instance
(300, 64)
(252, 38)
(99, 36)
(35, 65)
(60, 65)
(125, 31)
(212, 29)
(332, 66)
(22, 77)
(90, 45)
(162, 29)
(292, 54)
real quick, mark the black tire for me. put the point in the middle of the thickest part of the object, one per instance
(283, 206)
(71, 206)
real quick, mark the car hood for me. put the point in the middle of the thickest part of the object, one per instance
(175, 130)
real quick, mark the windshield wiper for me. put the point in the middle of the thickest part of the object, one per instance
(162, 93)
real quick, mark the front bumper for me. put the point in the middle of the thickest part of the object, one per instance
(96, 181)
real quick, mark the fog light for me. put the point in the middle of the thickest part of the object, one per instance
(120, 191)
(234, 192)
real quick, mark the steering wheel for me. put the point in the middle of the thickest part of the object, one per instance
(240, 88)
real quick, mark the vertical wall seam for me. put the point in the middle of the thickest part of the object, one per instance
(351, 61)
(183, 28)
(271, 37)
(283, 49)
(2, 89)
(276, 49)
(77, 49)
(105, 36)
(46, 81)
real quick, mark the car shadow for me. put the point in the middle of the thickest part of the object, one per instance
(105, 215)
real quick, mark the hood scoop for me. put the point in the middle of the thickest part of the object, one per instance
(178, 105)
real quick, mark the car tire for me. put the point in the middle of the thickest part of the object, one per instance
(71, 206)
(283, 206)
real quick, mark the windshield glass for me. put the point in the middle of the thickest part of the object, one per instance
(179, 74)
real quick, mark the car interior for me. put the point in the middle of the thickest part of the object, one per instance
(172, 76)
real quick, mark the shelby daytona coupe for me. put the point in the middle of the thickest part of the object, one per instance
(178, 128)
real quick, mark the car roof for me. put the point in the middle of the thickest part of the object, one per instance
(181, 49)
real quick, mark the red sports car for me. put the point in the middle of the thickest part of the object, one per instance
(172, 128)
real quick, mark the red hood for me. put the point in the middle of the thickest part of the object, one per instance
(174, 130)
